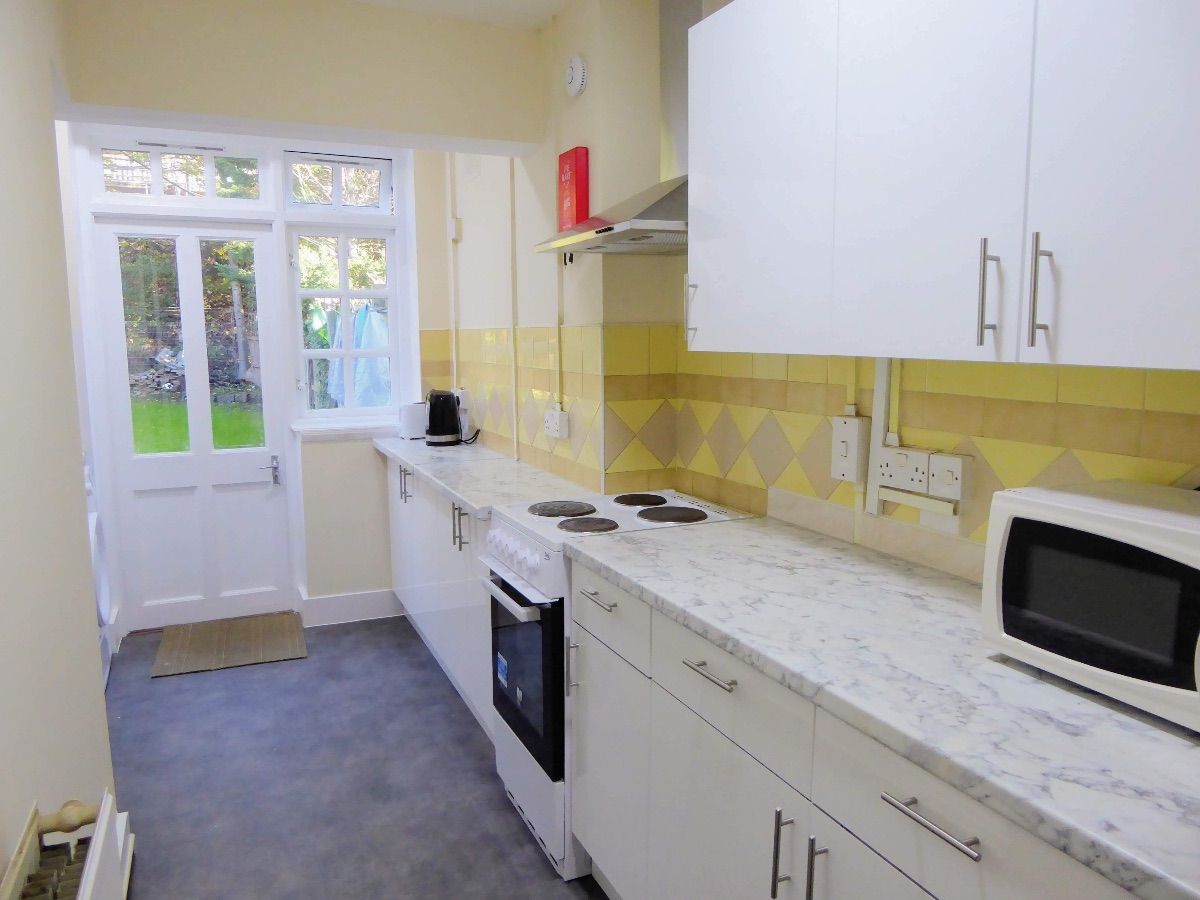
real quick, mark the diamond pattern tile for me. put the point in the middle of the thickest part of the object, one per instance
(725, 440)
(769, 450)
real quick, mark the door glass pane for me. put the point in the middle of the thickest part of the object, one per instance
(360, 186)
(126, 172)
(368, 264)
(318, 260)
(237, 177)
(231, 329)
(319, 388)
(373, 381)
(154, 344)
(312, 183)
(321, 315)
(183, 175)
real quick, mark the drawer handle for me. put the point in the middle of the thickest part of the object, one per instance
(966, 848)
(701, 668)
(810, 870)
(776, 878)
(594, 596)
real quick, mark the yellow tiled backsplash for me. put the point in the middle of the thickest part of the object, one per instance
(727, 426)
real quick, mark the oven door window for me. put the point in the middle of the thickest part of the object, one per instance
(527, 679)
(1102, 602)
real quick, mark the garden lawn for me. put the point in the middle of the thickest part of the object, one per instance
(160, 426)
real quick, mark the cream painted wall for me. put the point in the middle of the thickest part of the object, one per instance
(643, 289)
(433, 261)
(347, 65)
(53, 728)
(675, 18)
(345, 518)
(536, 178)
(485, 266)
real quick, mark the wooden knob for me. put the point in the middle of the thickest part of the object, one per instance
(73, 816)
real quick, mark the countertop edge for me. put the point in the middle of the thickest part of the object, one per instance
(1082, 845)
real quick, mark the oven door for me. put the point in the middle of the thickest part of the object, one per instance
(527, 671)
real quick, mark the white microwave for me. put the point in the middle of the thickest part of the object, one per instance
(1100, 585)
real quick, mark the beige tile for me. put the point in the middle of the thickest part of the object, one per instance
(617, 436)
(1017, 381)
(626, 387)
(864, 401)
(769, 450)
(573, 384)
(685, 386)
(963, 378)
(725, 440)
(955, 413)
(809, 512)
(659, 434)
(835, 399)
(810, 369)
(626, 350)
(773, 366)
(1166, 391)
(955, 555)
(738, 391)
(1098, 428)
(1065, 471)
(707, 487)
(737, 365)
(815, 458)
(688, 434)
(1171, 436)
(592, 387)
(683, 480)
(663, 341)
(742, 496)
(710, 388)
(914, 375)
(912, 409)
(1094, 386)
(572, 337)
(593, 349)
(662, 386)
(1020, 420)
(806, 397)
(625, 482)
(661, 479)
(769, 394)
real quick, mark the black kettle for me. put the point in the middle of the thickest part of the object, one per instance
(443, 428)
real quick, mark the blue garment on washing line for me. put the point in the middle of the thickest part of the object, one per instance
(372, 376)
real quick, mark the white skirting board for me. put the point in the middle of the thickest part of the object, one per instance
(336, 609)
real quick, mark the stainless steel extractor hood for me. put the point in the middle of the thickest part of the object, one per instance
(652, 222)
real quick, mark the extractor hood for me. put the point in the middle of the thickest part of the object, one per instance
(652, 222)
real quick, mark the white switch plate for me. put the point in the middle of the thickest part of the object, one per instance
(556, 422)
(851, 435)
(905, 469)
(464, 398)
(948, 475)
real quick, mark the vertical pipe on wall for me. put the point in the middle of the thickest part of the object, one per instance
(452, 255)
(512, 231)
(879, 425)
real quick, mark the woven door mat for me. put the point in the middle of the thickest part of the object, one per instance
(226, 643)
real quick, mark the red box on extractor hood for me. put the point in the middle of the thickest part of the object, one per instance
(572, 187)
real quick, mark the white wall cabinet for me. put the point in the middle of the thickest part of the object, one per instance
(952, 122)
(436, 578)
(761, 115)
(932, 120)
(1114, 187)
(611, 764)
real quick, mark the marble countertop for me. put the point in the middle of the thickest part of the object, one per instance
(476, 477)
(894, 649)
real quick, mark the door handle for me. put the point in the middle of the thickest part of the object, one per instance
(571, 645)
(811, 869)
(404, 493)
(688, 292)
(454, 524)
(966, 848)
(594, 596)
(776, 878)
(701, 668)
(462, 542)
(274, 467)
(981, 327)
(1034, 285)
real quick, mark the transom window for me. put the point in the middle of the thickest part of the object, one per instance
(164, 171)
(345, 295)
(345, 183)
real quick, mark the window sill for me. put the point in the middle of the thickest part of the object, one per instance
(319, 430)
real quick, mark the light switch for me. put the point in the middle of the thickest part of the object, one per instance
(849, 457)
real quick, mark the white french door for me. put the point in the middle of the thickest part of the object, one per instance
(191, 324)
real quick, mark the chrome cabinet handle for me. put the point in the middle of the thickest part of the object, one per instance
(811, 869)
(594, 596)
(776, 878)
(567, 665)
(1034, 285)
(981, 327)
(688, 293)
(701, 668)
(462, 541)
(966, 848)
(404, 491)
(454, 524)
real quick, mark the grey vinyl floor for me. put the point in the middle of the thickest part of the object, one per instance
(356, 773)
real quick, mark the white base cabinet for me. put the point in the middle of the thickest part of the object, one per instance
(611, 764)
(436, 578)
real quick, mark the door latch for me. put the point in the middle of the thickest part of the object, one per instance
(274, 467)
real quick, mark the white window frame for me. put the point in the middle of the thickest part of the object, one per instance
(337, 163)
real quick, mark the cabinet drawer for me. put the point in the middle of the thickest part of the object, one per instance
(768, 721)
(615, 616)
(851, 772)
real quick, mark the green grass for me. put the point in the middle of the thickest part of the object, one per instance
(160, 426)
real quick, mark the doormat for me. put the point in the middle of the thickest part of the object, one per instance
(227, 643)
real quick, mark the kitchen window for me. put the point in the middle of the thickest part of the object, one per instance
(340, 183)
(345, 293)
(164, 171)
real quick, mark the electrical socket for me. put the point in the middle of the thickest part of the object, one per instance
(904, 469)
(851, 435)
(948, 475)
(556, 423)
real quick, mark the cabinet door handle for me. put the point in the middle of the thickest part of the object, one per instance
(982, 327)
(810, 878)
(404, 494)
(1034, 285)
(966, 848)
(776, 878)
(462, 541)
(594, 596)
(567, 665)
(454, 524)
(688, 292)
(701, 668)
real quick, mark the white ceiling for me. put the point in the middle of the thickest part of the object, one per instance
(520, 13)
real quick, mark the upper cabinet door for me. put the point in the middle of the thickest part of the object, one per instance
(762, 103)
(1114, 183)
(932, 127)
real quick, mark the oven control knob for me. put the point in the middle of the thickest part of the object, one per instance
(528, 559)
(534, 562)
